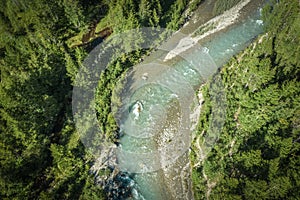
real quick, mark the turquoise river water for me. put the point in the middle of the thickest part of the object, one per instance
(161, 108)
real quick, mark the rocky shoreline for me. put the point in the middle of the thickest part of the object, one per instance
(214, 25)
(116, 182)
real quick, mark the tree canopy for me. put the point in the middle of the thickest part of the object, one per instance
(42, 46)
(257, 153)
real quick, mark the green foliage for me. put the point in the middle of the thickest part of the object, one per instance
(126, 15)
(41, 155)
(154, 13)
(175, 14)
(221, 6)
(194, 4)
(257, 154)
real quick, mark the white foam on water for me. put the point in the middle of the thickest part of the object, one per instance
(259, 22)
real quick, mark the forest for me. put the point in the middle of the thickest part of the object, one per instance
(256, 155)
(42, 47)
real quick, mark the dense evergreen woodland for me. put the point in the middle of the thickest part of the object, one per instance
(257, 153)
(43, 44)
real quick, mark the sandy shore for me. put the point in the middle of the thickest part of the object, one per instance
(214, 25)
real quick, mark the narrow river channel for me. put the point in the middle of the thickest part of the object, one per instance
(141, 150)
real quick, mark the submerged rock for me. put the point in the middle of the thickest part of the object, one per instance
(137, 109)
(120, 186)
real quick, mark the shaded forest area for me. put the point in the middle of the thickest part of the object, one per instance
(257, 153)
(42, 46)
(41, 50)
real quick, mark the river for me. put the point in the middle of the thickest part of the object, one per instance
(155, 141)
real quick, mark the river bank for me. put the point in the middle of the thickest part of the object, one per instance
(174, 181)
(207, 26)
